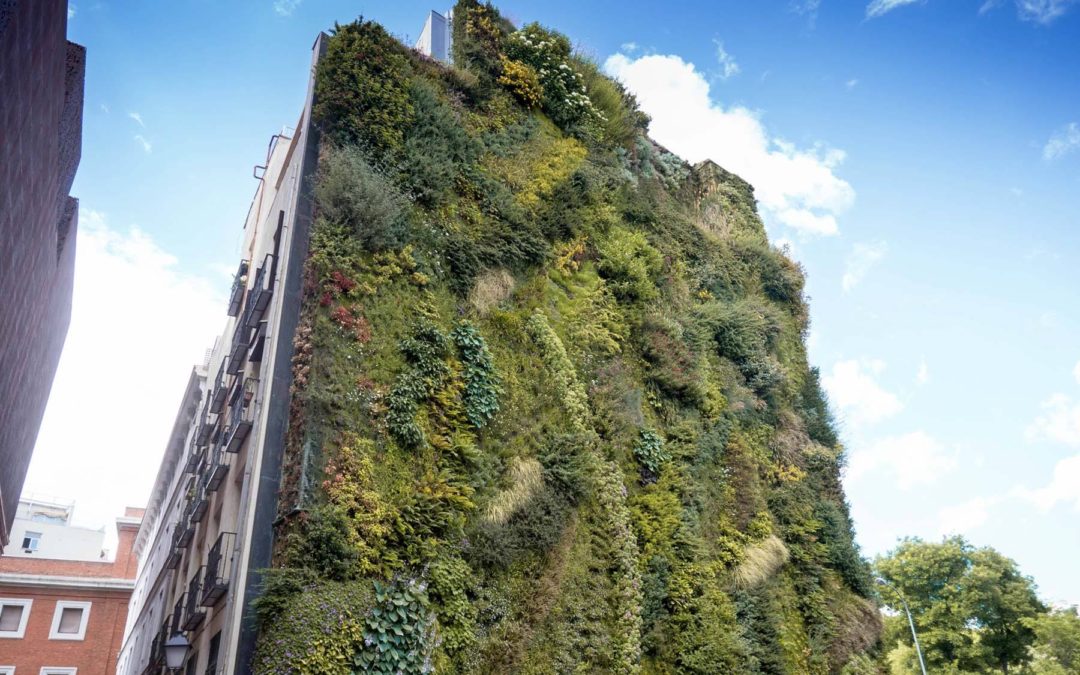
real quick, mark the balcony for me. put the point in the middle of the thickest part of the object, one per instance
(236, 297)
(157, 650)
(217, 468)
(217, 394)
(175, 623)
(194, 458)
(204, 433)
(258, 339)
(218, 569)
(241, 414)
(183, 534)
(172, 561)
(261, 293)
(193, 611)
(197, 503)
(241, 338)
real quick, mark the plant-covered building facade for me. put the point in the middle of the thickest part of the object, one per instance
(550, 405)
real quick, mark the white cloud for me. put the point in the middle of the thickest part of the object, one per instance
(727, 62)
(147, 148)
(912, 459)
(138, 325)
(105, 108)
(1043, 11)
(879, 7)
(855, 393)
(806, 7)
(923, 374)
(859, 262)
(1059, 423)
(795, 187)
(852, 83)
(989, 5)
(964, 517)
(628, 47)
(71, 11)
(1064, 141)
(1064, 486)
(286, 7)
(138, 118)
(1076, 372)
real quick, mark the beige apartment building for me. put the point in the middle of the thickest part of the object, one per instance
(208, 526)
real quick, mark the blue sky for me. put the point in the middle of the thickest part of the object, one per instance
(921, 159)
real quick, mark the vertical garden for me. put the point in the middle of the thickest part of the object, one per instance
(552, 411)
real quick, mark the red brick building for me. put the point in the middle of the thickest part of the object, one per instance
(66, 617)
(41, 102)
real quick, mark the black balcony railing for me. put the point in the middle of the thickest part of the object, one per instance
(198, 503)
(241, 414)
(176, 624)
(194, 457)
(217, 467)
(218, 575)
(238, 353)
(193, 611)
(219, 390)
(172, 561)
(258, 339)
(205, 430)
(261, 293)
(185, 532)
(236, 296)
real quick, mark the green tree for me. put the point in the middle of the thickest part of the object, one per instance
(1057, 642)
(970, 605)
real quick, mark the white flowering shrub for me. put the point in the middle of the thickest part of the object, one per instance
(565, 99)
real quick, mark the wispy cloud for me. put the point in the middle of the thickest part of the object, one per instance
(859, 262)
(881, 7)
(146, 146)
(912, 459)
(727, 62)
(1059, 421)
(628, 47)
(854, 391)
(71, 11)
(1043, 11)
(1064, 486)
(286, 7)
(808, 8)
(964, 517)
(105, 108)
(138, 118)
(796, 187)
(922, 375)
(107, 348)
(1065, 140)
(852, 83)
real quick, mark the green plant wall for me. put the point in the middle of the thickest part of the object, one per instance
(551, 383)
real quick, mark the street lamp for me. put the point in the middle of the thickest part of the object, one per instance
(918, 650)
(176, 649)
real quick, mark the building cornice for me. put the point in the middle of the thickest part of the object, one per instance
(53, 581)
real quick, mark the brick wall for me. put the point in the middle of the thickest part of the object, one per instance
(41, 77)
(97, 653)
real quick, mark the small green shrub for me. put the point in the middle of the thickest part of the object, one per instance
(438, 153)
(425, 351)
(361, 93)
(399, 634)
(352, 193)
(522, 81)
(630, 264)
(481, 397)
(650, 453)
(314, 631)
(323, 543)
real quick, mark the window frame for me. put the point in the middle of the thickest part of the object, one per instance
(7, 670)
(35, 540)
(58, 670)
(26, 604)
(58, 612)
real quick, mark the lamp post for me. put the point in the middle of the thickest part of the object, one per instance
(918, 650)
(176, 649)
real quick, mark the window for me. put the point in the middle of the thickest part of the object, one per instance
(13, 616)
(30, 541)
(69, 620)
(212, 656)
(192, 663)
(7, 670)
(54, 670)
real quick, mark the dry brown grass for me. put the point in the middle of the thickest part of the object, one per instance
(492, 287)
(762, 560)
(527, 477)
